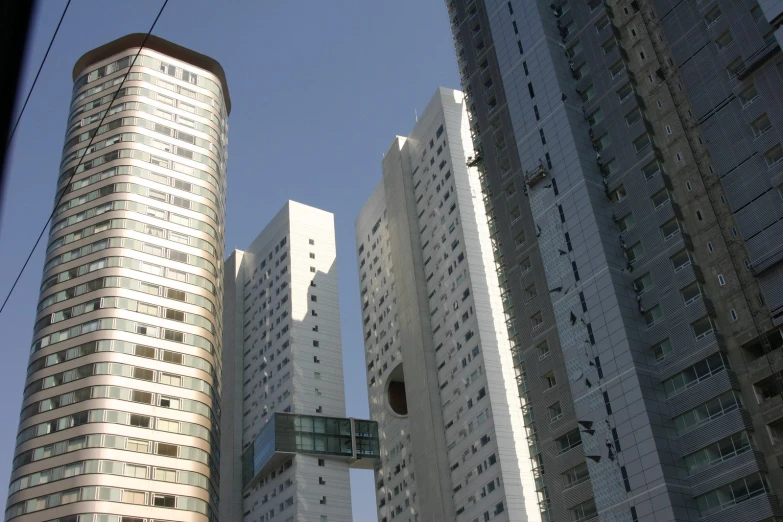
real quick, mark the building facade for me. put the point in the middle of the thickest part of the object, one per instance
(120, 416)
(630, 164)
(283, 396)
(439, 366)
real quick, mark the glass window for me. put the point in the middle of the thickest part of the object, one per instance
(748, 95)
(662, 349)
(723, 40)
(670, 228)
(576, 475)
(761, 125)
(660, 198)
(568, 441)
(555, 412)
(712, 15)
(653, 315)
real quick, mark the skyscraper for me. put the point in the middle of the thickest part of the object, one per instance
(630, 160)
(121, 403)
(287, 445)
(439, 366)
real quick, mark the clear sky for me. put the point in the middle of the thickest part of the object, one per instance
(319, 89)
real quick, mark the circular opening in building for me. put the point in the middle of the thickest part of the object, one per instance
(395, 392)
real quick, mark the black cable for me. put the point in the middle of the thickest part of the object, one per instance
(76, 168)
(30, 92)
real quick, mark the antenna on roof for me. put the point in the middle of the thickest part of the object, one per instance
(416, 114)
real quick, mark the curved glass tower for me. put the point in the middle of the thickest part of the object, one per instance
(120, 416)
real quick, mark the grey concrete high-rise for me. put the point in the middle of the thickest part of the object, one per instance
(631, 160)
(121, 403)
(440, 371)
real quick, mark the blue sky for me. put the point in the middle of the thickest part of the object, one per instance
(318, 89)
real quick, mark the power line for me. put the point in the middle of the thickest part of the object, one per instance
(30, 92)
(76, 168)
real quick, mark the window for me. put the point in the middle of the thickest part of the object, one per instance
(660, 198)
(774, 155)
(695, 374)
(549, 379)
(756, 12)
(702, 327)
(609, 45)
(617, 68)
(587, 93)
(733, 493)
(680, 260)
(140, 446)
(617, 195)
(670, 229)
(653, 316)
(642, 284)
(536, 320)
(168, 475)
(321, 462)
(719, 452)
(135, 471)
(721, 280)
(691, 293)
(625, 91)
(662, 349)
(748, 95)
(642, 142)
(568, 441)
(723, 40)
(734, 67)
(634, 253)
(543, 349)
(583, 512)
(633, 116)
(555, 412)
(530, 292)
(575, 475)
(595, 117)
(131, 497)
(169, 501)
(761, 125)
(626, 222)
(712, 16)
(707, 411)
(575, 49)
(519, 240)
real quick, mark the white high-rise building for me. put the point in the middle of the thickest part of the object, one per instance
(439, 365)
(286, 445)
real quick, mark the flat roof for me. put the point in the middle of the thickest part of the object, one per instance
(159, 44)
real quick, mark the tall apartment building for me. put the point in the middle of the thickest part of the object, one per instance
(287, 446)
(440, 373)
(120, 416)
(630, 156)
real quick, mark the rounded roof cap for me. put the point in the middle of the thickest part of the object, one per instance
(161, 45)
